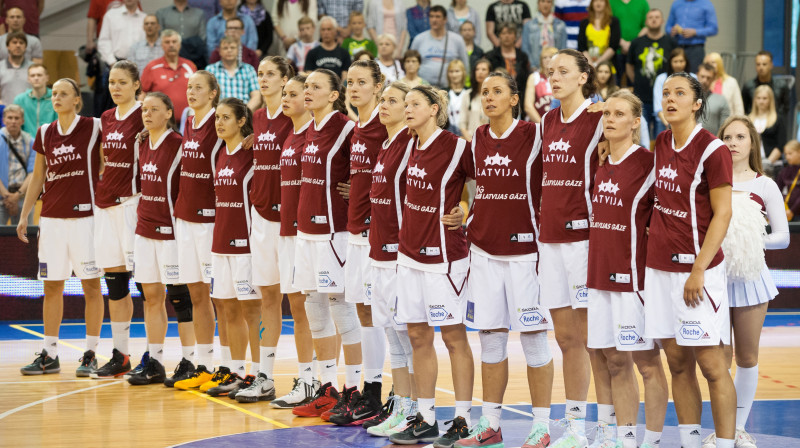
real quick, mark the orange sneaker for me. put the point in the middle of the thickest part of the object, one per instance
(326, 398)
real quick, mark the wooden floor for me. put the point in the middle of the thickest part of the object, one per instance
(61, 410)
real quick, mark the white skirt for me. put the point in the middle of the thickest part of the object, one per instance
(755, 292)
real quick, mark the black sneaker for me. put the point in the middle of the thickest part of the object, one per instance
(366, 408)
(152, 373)
(43, 364)
(418, 431)
(139, 368)
(119, 364)
(347, 400)
(183, 370)
(232, 382)
(385, 412)
(459, 430)
(88, 364)
(247, 381)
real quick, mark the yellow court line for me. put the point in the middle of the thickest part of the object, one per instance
(243, 410)
(67, 344)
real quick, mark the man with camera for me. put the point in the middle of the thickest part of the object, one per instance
(16, 164)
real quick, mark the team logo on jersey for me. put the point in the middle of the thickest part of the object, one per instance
(610, 188)
(191, 144)
(666, 179)
(559, 147)
(266, 137)
(114, 136)
(311, 149)
(149, 167)
(359, 148)
(226, 172)
(378, 168)
(668, 172)
(63, 150)
(497, 160)
(416, 172)
(288, 152)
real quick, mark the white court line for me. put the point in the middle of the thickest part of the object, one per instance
(59, 381)
(56, 397)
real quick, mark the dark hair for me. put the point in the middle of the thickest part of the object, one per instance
(765, 53)
(299, 78)
(507, 26)
(708, 67)
(611, 85)
(361, 53)
(240, 110)
(584, 66)
(131, 69)
(213, 84)
(464, 23)
(476, 89)
(335, 84)
(697, 91)
(234, 19)
(285, 67)
(512, 85)
(283, 4)
(18, 35)
(438, 8)
(374, 70)
(38, 65)
(674, 54)
(172, 122)
(412, 54)
(77, 90)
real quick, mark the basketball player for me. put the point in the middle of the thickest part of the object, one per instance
(67, 168)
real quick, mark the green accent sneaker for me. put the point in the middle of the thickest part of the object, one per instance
(43, 364)
(88, 364)
(396, 417)
(539, 437)
(418, 431)
(457, 431)
(482, 436)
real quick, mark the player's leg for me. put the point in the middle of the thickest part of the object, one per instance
(303, 390)
(747, 323)
(156, 328)
(688, 402)
(47, 360)
(656, 393)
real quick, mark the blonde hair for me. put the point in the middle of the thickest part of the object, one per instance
(755, 140)
(437, 97)
(771, 113)
(456, 63)
(636, 109)
(717, 58)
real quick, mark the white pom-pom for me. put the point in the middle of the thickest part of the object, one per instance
(744, 243)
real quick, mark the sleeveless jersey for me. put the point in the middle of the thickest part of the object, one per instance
(326, 162)
(269, 133)
(622, 202)
(232, 183)
(159, 165)
(508, 174)
(201, 147)
(435, 178)
(569, 158)
(367, 142)
(291, 173)
(120, 153)
(682, 210)
(73, 163)
(386, 196)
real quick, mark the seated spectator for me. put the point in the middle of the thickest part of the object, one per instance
(780, 88)
(36, 102)
(357, 41)
(475, 52)
(391, 68)
(264, 27)
(328, 54)
(32, 9)
(215, 29)
(14, 69)
(438, 47)
(16, 165)
(148, 49)
(598, 36)
(500, 12)
(235, 28)
(189, 21)
(417, 19)
(572, 12)
(472, 116)
(543, 30)
(768, 123)
(411, 62)
(388, 17)
(717, 110)
(788, 182)
(299, 49)
(123, 27)
(460, 13)
(340, 10)
(15, 22)
(725, 85)
(606, 82)
(457, 92)
(538, 92)
(676, 62)
(508, 56)
(235, 79)
(169, 73)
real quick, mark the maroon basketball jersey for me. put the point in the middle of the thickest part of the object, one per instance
(73, 164)
(232, 188)
(367, 140)
(269, 133)
(569, 158)
(508, 175)
(386, 195)
(159, 165)
(121, 172)
(622, 202)
(291, 173)
(326, 162)
(682, 210)
(435, 178)
(201, 147)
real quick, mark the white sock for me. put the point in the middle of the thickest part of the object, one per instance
(576, 409)
(187, 351)
(267, 364)
(205, 356)
(373, 350)
(463, 409)
(92, 342)
(157, 352)
(316, 370)
(304, 370)
(226, 356)
(328, 372)
(690, 436)
(605, 414)
(427, 407)
(746, 382)
(652, 437)
(724, 443)
(492, 413)
(541, 415)
(51, 346)
(238, 367)
(120, 334)
(352, 375)
(627, 435)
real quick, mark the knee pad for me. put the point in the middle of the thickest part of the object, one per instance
(397, 355)
(346, 319)
(536, 348)
(141, 291)
(118, 285)
(318, 313)
(181, 302)
(494, 346)
(405, 341)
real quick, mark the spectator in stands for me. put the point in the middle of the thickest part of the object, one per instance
(94, 21)
(472, 116)
(467, 32)
(358, 41)
(15, 20)
(598, 35)
(606, 82)
(215, 30)
(32, 9)
(676, 62)
(16, 165)
(500, 12)
(511, 58)
(264, 27)
(691, 22)
(538, 92)
(412, 60)
(14, 69)
(768, 123)
(438, 47)
(124, 26)
(717, 110)
(36, 102)
(187, 20)
(632, 15)
(460, 13)
(235, 79)
(725, 85)
(543, 30)
(387, 17)
(457, 92)
(287, 14)
(210, 8)
(170, 73)
(417, 19)
(235, 29)
(391, 68)
(572, 12)
(149, 48)
(328, 54)
(787, 180)
(340, 10)
(781, 89)
(299, 49)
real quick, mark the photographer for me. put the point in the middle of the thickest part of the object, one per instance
(16, 164)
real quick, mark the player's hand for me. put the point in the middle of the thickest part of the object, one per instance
(142, 136)
(454, 220)
(22, 229)
(596, 107)
(693, 289)
(247, 143)
(344, 189)
(603, 150)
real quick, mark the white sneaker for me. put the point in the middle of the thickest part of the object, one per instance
(603, 433)
(395, 418)
(262, 389)
(710, 441)
(572, 437)
(410, 410)
(744, 440)
(301, 393)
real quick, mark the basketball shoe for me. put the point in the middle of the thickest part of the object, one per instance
(152, 373)
(538, 438)
(347, 400)
(183, 370)
(604, 433)
(140, 367)
(417, 431)
(482, 435)
(219, 376)
(386, 410)
(261, 389)
(365, 408)
(200, 376)
(43, 364)
(118, 365)
(326, 398)
(572, 437)
(246, 382)
(300, 394)
(231, 382)
(457, 431)
(88, 364)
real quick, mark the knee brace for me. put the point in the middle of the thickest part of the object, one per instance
(397, 355)
(318, 313)
(494, 346)
(141, 291)
(536, 348)
(346, 319)
(405, 341)
(118, 285)
(181, 302)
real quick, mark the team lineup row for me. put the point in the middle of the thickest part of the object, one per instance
(359, 224)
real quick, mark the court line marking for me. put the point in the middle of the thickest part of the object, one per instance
(108, 324)
(61, 381)
(66, 344)
(245, 411)
(45, 400)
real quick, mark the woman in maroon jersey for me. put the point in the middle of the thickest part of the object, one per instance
(686, 300)
(622, 202)
(155, 249)
(68, 166)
